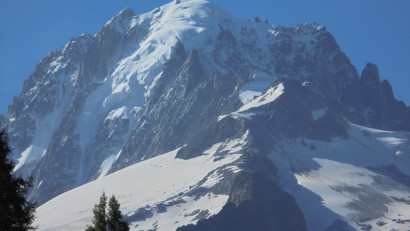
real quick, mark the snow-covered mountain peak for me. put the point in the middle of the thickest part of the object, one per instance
(121, 21)
(188, 9)
(189, 75)
(184, 22)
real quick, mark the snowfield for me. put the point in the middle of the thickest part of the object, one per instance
(349, 179)
(157, 183)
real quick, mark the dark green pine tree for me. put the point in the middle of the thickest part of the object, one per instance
(107, 222)
(114, 218)
(16, 213)
(99, 221)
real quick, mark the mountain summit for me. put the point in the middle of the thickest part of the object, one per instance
(198, 120)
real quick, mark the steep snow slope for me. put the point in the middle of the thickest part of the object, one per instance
(154, 194)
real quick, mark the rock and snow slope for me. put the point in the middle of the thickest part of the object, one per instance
(154, 194)
(341, 184)
(362, 180)
(351, 181)
(187, 76)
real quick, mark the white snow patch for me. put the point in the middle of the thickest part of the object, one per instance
(106, 165)
(39, 184)
(234, 168)
(269, 96)
(31, 155)
(212, 180)
(317, 114)
(258, 84)
(237, 115)
(117, 113)
(392, 141)
(235, 145)
(215, 177)
(247, 96)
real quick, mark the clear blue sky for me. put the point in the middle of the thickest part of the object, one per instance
(375, 31)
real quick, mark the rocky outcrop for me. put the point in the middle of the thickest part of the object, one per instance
(291, 115)
(378, 104)
(255, 203)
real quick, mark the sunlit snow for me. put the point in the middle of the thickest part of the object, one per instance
(334, 180)
(269, 96)
(146, 183)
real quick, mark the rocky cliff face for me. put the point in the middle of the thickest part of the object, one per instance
(187, 75)
(255, 203)
(375, 105)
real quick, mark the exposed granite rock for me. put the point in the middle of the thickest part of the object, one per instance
(255, 203)
(373, 104)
